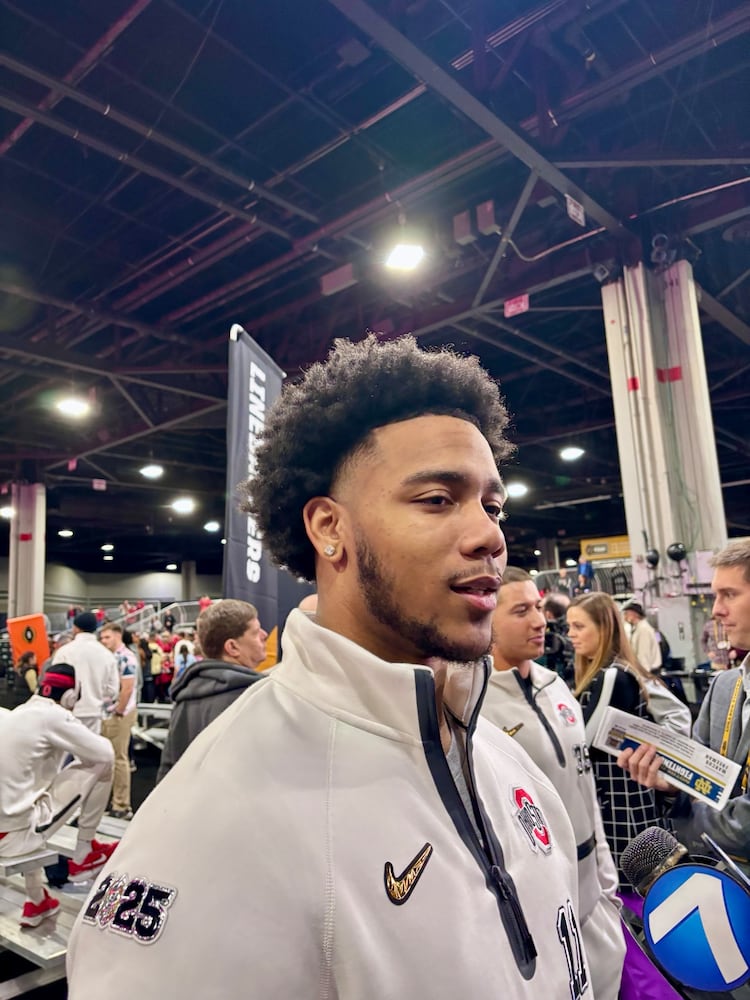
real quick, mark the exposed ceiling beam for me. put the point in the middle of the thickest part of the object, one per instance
(82, 363)
(506, 236)
(622, 161)
(135, 435)
(420, 65)
(139, 165)
(196, 159)
(719, 312)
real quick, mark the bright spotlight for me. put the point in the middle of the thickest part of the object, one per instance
(223, 541)
(107, 547)
(183, 505)
(537, 552)
(517, 489)
(571, 562)
(73, 406)
(171, 567)
(65, 533)
(108, 558)
(211, 526)
(7, 513)
(404, 257)
(571, 454)
(152, 471)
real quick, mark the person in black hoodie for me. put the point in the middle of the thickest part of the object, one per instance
(234, 644)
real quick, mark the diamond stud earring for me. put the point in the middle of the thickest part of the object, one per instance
(329, 550)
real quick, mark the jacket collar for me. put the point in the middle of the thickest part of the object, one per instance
(506, 679)
(345, 681)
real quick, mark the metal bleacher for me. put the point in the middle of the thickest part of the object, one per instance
(44, 946)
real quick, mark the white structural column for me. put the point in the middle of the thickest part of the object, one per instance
(188, 580)
(27, 550)
(668, 461)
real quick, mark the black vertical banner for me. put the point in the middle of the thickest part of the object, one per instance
(249, 575)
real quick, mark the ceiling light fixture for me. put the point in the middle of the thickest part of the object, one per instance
(211, 526)
(223, 541)
(537, 552)
(571, 453)
(7, 513)
(570, 562)
(152, 471)
(73, 406)
(183, 505)
(65, 533)
(107, 547)
(405, 257)
(171, 567)
(517, 489)
(108, 558)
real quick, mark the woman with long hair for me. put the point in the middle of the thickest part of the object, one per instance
(607, 674)
(27, 668)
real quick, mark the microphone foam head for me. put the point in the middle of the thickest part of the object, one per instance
(648, 854)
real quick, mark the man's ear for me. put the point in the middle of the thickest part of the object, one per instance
(231, 648)
(324, 523)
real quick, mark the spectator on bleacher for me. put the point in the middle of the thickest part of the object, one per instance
(723, 723)
(27, 668)
(38, 794)
(643, 638)
(234, 644)
(607, 673)
(169, 621)
(184, 658)
(204, 602)
(117, 727)
(533, 705)
(96, 670)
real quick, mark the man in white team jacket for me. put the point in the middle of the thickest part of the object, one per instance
(535, 706)
(348, 828)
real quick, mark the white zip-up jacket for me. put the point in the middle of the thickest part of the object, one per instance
(542, 715)
(96, 673)
(35, 739)
(311, 843)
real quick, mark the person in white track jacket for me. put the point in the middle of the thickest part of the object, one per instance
(535, 706)
(38, 793)
(348, 829)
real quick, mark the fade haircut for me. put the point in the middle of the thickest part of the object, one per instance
(736, 553)
(324, 421)
(228, 619)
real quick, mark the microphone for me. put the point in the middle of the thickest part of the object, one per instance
(649, 855)
(696, 913)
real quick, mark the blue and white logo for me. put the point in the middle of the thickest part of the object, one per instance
(697, 924)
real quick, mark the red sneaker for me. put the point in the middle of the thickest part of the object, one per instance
(106, 848)
(34, 913)
(94, 861)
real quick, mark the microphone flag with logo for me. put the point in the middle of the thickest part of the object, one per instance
(696, 916)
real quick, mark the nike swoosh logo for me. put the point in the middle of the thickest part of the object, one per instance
(513, 729)
(400, 887)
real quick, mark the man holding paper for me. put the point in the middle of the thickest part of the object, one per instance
(723, 723)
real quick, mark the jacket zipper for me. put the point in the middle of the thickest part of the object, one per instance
(489, 856)
(531, 699)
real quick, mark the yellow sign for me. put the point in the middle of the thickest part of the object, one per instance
(614, 547)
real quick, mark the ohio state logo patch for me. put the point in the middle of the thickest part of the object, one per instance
(566, 713)
(531, 820)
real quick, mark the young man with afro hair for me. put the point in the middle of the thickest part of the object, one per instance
(349, 828)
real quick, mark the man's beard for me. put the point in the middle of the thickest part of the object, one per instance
(426, 636)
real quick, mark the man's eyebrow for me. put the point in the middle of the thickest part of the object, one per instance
(454, 478)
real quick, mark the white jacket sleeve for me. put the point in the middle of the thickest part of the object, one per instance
(71, 735)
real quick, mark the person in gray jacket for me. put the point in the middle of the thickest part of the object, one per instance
(234, 643)
(723, 723)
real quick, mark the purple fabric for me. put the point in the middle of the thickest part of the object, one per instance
(641, 979)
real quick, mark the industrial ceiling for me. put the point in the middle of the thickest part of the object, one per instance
(172, 167)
